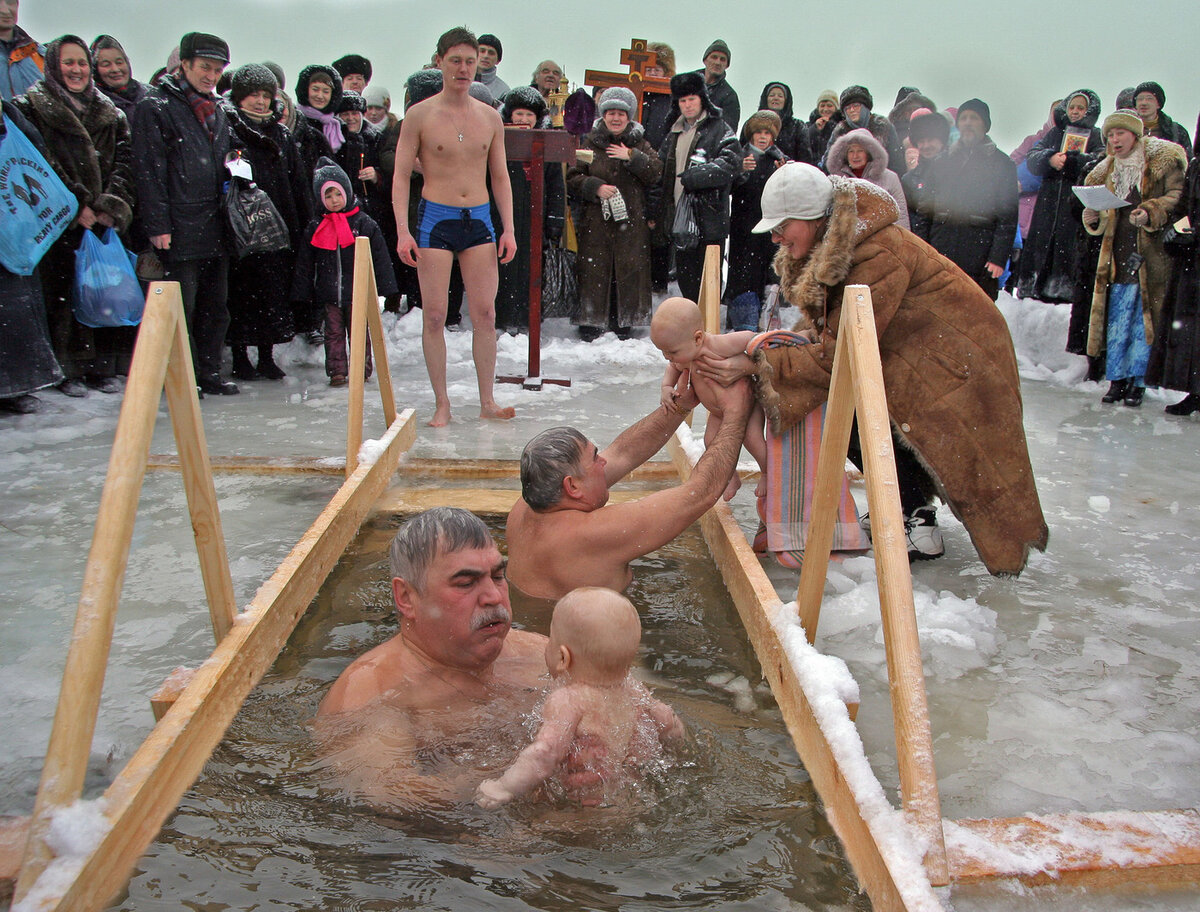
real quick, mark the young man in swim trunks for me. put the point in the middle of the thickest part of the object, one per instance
(459, 142)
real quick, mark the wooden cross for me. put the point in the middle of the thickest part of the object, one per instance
(638, 57)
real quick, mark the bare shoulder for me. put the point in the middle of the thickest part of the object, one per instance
(525, 643)
(367, 678)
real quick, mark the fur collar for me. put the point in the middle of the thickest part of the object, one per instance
(98, 111)
(1161, 157)
(877, 157)
(859, 209)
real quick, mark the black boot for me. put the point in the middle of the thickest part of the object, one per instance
(242, 368)
(267, 367)
(1185, 406)
(1116, 390)
(1133, 395)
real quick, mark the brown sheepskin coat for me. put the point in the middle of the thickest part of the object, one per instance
(949, 368)
(1162, 186)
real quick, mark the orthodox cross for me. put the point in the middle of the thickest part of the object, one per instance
(639, 58)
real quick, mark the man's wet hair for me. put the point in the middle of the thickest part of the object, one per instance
(439, 530)
(456, 36)
(547, 459)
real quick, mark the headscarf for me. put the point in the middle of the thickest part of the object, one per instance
(78, 101)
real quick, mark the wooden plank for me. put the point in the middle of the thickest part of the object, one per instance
(13, 833)
(1119, 848)
(149, 787)
(257, 465)
(755, 598)
(487, 502)
(170, 689)
(361, 299)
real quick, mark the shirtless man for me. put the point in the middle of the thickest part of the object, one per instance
(456, 665)
(563, 533)
(459, 142)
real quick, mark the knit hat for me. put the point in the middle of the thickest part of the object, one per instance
(718, 45)
(328, 170)
(1154, 89)
(351, 101)
(980, 108)
(353, 63)
(277, 70)
(795, 191)
(421, 85)
(321, 73)
(199, 44)
(853, 94)
(493, 42)
(376, 96)
(763, 120)
(1125, 98)
(524, 98)
(480, 92)
(930, 125)
(618, 98)
(250, 78)
(1124, 119)
(685, 84)
(828, 95)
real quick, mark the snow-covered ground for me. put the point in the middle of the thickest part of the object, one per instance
(1073, 687)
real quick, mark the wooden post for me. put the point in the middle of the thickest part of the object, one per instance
(363, 296)
(383, 370)
(710, 289)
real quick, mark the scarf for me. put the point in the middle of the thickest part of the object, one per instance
(203, 106)
(1127, 172)
(331, 125)
(334, 231)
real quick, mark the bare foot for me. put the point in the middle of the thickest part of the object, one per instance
(495, 411)
(760, 489)
(441, 416)
(735, 482)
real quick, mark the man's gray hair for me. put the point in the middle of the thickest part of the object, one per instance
(538, 69)
(441, 529)
(547, 459)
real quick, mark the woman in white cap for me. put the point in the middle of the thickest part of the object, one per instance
(949, 369)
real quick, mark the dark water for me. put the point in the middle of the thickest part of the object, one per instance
(732, 825)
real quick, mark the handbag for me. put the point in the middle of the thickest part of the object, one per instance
(685, 232)
(256, 224)
(106, 291)
(560, 284)
(37, 205)
(1180, 243)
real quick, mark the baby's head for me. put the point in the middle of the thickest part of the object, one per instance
(331, 185)
(594, 635)
(677, 330)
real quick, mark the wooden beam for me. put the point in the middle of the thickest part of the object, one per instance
(257, 465)
(756, 600)
(148, 789)
(168, 692)
(1119, 848)
(13, 833)
(488, 502)
(441, 468)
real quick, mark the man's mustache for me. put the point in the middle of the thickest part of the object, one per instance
(491, 616)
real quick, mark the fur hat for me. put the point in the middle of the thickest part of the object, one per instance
(493, 42)
(794, 191)
(377, 96)
(1124, 119)
(664, 56)
(353, 63)
(1125, 98)
(277, 71)
(1154, 89)
(250, 78)
(929, 126)
(980, 108)
(351, 101)
(718, 45)
(828, 95)
(329, 75)
(618, 98)
(524, 98)
(763, 120)
(198, 44)
(852, 94)
(328, 170)
(685, 84)
(421, 85)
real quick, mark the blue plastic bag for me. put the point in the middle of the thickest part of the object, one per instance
(107, 292)
(37, 206)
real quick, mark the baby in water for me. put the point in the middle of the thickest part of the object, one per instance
(677, 330)
(600, 719)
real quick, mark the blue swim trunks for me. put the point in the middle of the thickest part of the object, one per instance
(453, 227)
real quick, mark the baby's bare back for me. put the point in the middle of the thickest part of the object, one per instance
(616, 734)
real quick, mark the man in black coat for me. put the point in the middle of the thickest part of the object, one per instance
(930, 133)
(716, 62)
(180, 140)
(974, 192)
(1149, 99)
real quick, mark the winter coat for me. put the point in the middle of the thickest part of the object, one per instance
(793, 135)
(23, 66)
(181, 174)
(818, 138)
(709, 183)
(259, 305)
(949, 368)
(918, 196)
(1050, 267)
(1161, 189)
(312, 144)
(364, 149)
(975, 206)
(512, 296)
(881, 128)
(27, 361)
(1175, 355)
(900, 116)
(127, 98)
(877, 171)
(750, 254)
(1170, 130)
(657, 118)
(722, 95)
(609, 249)
(327, 276)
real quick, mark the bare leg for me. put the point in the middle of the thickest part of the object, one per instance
(756, 443)
(433, 272)
(481, 277)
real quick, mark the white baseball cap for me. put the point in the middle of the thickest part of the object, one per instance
(794, 191)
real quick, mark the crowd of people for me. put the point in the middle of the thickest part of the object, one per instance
(656, 181)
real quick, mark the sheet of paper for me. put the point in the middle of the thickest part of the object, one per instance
(1099, 198)
(239, 167)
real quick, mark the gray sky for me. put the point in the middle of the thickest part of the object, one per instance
(1017, 56)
